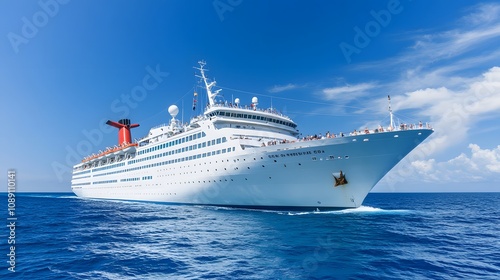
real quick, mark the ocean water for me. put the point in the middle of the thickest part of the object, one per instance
(392, 236)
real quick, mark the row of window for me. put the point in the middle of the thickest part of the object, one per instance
(147, 178)
(81, 173)
(181, 150)
(203, 155)
(81, 184)
(331, 158)
(182, 159)
(82, 177)
(252, 117)
(104, 182)
(108, 173)
(109, 166)
(174, 142)
(129, 179)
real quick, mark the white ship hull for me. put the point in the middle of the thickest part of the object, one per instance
(292, 175)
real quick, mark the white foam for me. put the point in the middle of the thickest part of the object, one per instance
(360, 210)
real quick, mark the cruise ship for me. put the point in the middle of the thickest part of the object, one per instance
(243, 156)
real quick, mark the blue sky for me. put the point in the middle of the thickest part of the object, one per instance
(68, 66)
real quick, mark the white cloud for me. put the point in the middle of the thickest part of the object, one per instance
(483, 14)
(347, 92)
(435, 58)
(480, 165)
(454, 113)
(280, 88)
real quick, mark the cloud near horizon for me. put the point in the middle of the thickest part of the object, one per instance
(464, 168)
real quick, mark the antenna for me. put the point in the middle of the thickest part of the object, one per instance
(208, 85)
(390, 112)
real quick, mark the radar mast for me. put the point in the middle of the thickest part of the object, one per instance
(208, 85)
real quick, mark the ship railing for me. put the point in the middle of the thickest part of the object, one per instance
(248, 108)
(160, 125)
(380, 129)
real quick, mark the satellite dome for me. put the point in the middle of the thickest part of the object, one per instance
(255, 100)
(237, 101)
(173, 111)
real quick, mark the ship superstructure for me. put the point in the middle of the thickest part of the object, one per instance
(243, 156)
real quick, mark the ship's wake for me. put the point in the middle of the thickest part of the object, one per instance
(360, 210)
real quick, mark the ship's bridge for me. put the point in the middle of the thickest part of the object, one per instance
(251, 116)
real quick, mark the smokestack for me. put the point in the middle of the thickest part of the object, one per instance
(124, 126)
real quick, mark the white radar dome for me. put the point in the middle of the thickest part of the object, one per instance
(173, 111)
(237, 101)
(255, 100)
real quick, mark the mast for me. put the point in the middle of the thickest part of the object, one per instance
(390, 112)
(208, 85)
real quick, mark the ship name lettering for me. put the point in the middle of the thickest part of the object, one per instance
(296, 154)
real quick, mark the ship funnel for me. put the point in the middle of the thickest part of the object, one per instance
(124, 126)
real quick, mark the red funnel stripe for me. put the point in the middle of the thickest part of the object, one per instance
(124, 135)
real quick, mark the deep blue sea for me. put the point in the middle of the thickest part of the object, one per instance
(393, 236)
